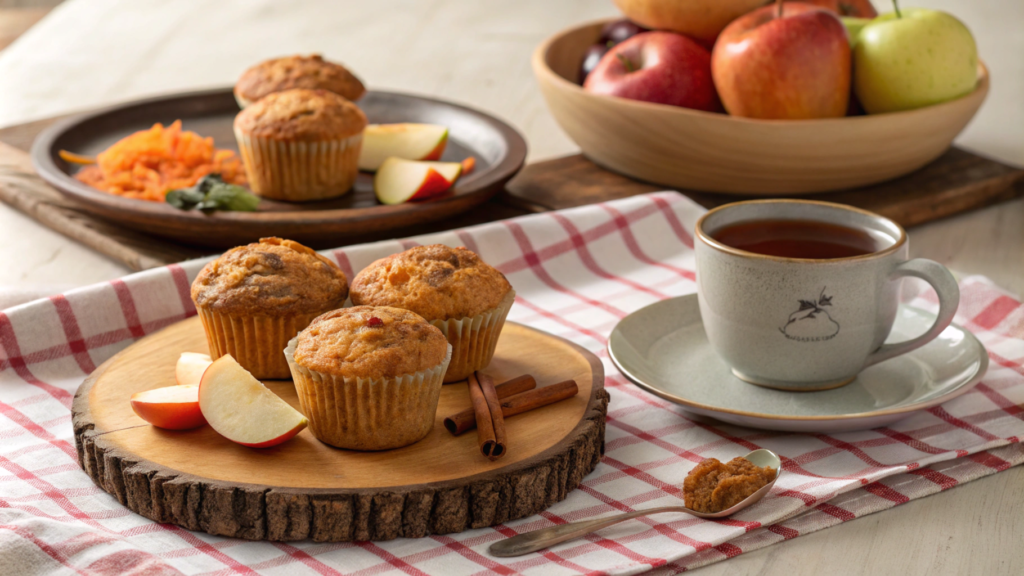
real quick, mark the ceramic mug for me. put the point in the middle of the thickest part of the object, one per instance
(809, 324)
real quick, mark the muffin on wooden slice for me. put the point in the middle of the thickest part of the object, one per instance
(254, 299)
(369, 377)
(301, 145)
(311, 72)
(452, 288)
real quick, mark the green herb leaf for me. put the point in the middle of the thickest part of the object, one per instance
(229, 197)
(184, 198)
(212, 193)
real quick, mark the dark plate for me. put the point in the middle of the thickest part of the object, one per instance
(498, 148)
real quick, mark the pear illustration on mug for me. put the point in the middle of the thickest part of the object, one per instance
(811, 322)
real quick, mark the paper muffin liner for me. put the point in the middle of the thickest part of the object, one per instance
(368, 413)
(474, 339)
(300, 171)
(254, 341)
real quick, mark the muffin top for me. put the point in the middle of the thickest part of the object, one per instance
(301, 115)
(273, 277)
(312, 72)
(370, 342)
(436, 282)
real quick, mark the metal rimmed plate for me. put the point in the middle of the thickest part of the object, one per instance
(662, 348)
(499, 151)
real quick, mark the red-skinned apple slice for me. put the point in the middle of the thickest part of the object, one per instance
(240, 408)
(171, 407)
(190, 367)
(407, 141)
(399, 180)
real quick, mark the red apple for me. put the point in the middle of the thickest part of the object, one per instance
(790, 67)
(190, 367)
(241, 409)
(407, 140)
(854, 8)
(399, 180)
(660, 67)
(171, 407)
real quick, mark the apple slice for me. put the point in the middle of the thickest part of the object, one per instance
(171, 407)
(408, 141)
(400, 180)
(190, 367)
(243, 410)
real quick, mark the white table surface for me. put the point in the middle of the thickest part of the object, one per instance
(90, 53)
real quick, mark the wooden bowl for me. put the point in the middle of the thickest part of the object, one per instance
(696, 150)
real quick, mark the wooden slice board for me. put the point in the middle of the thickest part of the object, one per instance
(306, 489)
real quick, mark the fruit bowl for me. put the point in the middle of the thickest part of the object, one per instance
(696, 150)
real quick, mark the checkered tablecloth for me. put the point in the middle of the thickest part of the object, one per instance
(576, 273)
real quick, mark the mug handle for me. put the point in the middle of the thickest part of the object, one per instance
(949, 300)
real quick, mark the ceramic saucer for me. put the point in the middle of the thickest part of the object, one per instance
(662, 348)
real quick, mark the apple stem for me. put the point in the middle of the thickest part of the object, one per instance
(778, 3)
(896, 5)
(625, 62)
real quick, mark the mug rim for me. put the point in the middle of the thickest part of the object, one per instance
(712, 243)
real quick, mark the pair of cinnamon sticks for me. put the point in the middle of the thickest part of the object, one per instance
(492, 404)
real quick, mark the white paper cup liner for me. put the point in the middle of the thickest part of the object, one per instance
(368, 413)
(254, 341)
(300, 171)
(474, 339)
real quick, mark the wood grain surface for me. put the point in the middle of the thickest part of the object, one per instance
(956, 182)
(308, 489)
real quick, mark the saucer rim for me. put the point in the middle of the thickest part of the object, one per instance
(963, 388)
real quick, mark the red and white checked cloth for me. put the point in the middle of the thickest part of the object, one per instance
(576, 273)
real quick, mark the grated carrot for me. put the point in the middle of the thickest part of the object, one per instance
(149, 163)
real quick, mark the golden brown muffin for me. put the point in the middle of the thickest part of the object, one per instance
(453, 289)
(311, 72)
(255, 298)
(436, 282)
(300, 145)
(712, 486)
(370, 342)
(369, 377)
(302, 115)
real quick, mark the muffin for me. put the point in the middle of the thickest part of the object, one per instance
(254, 299)
(301, 145)
(453, 289)
(310, 72)
(369, 377)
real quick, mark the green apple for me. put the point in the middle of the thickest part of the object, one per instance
(914, 58)
(853, 26)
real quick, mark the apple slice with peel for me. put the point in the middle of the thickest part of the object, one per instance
(171, 407)
(240, 408)
(407, 141)
(190, 367)
(400, 180)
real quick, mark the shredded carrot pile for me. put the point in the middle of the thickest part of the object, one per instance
(150, 163)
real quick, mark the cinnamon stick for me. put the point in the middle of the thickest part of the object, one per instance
(466, 420)
(482, 413)
(486, 384)
(517, 404)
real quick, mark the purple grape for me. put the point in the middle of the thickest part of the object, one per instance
(590, 59)
(619, 31)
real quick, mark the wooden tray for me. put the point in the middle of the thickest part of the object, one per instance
(499, 151)
(306, 489)
(956, 182)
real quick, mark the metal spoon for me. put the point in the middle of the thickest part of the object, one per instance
(546, 537)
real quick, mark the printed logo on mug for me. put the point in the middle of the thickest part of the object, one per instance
(801, 295)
